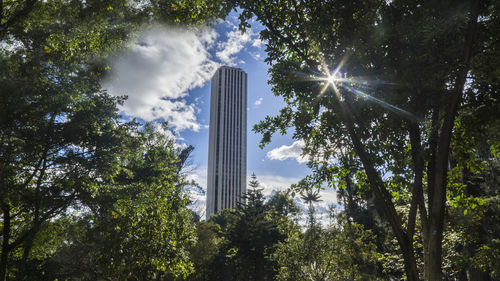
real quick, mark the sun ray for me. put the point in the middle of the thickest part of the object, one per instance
(337, 92)
(392, 108)
(323, 90)
(304, 76)
(341, 64)
(354, 85)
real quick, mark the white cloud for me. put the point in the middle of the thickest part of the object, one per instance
(288, 151)
(164, 64)
(198, 197)
(199, 175)
(255, 55)
(257, 43)
(11, 45)
(235, 43)
(274, 182)
(269, 184)
(258, 102)
(280, 183)
(157, 72)
(328, 196)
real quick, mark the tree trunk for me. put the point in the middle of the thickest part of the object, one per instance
(410, 262)
(5, 243)
(425, 238)
(434, 248)
(437, 196)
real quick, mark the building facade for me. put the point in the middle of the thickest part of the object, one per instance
(227, 150)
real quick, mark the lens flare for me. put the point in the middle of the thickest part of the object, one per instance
(336, 79)
(357, 86)
(331, 79)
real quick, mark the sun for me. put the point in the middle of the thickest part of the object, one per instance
(331, 79)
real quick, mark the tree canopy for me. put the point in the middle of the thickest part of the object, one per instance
(396, 101)
(389, 83)
(64, 148)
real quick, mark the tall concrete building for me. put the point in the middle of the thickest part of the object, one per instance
(227, 150)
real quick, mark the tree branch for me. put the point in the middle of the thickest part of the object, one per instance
(381, 194)
(37, 168)
(417, 194)
(32, 230)
(450, 114)
(376, 182)
(433, 137)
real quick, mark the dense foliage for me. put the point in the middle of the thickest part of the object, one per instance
(84, 195)
(245, 237)
(396, 101)
(342, 251)
(265, 240)
(396, 97)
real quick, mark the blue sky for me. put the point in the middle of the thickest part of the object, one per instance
(166, 74)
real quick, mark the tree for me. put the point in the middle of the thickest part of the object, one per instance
(311, 196)
(205, 252)
(281, 203)
(339, 252)
(135, 227)
(254, 183)
(472, 250)
(249, 235)
(49, 165)
(381, 79)
(253, 236)
(60, 134)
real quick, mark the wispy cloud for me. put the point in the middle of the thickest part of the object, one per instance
(199, 175)
(236, 41)
(255, 55)
(258, 102)
(293, 151)
(257, 43)
(157, 72)
(198, 196)
(268, 182)
(274, 182)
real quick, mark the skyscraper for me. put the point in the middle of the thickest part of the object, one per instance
(227, 150)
